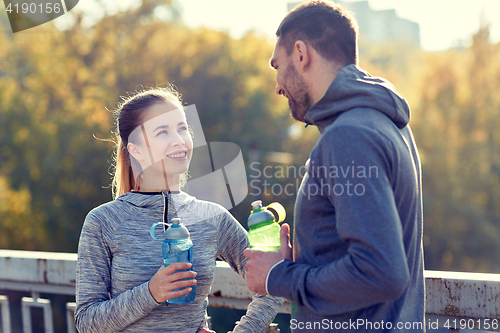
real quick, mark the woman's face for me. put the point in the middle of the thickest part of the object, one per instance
(166, 145)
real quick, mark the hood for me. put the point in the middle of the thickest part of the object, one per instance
(355, 88)
(188, 208)
(154, 200)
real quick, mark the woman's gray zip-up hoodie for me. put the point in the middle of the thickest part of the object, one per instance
(117, 257)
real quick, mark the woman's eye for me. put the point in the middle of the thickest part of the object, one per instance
(161, 132)
(183, 128)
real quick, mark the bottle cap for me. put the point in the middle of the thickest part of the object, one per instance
(261, 214)
(257, 205)
(177, 230)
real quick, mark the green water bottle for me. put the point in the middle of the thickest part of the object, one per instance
(264, 233)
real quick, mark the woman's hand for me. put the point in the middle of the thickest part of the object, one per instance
(204, 330)
(165, 280)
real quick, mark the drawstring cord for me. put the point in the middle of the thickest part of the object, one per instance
(165, 212)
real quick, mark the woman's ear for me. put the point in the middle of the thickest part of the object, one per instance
(136, 152)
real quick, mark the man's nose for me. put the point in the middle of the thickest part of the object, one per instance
(279, 91)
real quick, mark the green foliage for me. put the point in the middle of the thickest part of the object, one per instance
(56, 89)
(456, 127)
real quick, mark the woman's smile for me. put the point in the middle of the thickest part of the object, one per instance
(182, 155)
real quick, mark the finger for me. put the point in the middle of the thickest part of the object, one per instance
(176, 266)
(248, 253)
(285, 248)
(285, 235)
(177, 293)
(175, 289)
(253, 254)
(181, 284)
(182, 275)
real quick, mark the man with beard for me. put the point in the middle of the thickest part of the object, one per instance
(357, 261)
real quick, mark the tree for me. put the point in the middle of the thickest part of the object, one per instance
(58, 87)
(457, 133)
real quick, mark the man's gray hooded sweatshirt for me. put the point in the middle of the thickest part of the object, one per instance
(358, 258)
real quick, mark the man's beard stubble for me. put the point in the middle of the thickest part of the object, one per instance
(298, 96)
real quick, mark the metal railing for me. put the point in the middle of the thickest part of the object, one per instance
(453, 300)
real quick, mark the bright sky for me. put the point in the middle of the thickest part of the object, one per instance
(442, 22)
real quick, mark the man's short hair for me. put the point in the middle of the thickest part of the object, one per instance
(329, 28)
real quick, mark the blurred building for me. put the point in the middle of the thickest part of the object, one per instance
(380, 25)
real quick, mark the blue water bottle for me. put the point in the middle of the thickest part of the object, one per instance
(177, 247)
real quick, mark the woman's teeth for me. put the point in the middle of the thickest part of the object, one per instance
(183, 154)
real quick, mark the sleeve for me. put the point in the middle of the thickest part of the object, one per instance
(375, 268)
(232, 241)
(95, 311)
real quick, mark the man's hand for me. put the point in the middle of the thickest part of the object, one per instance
(261, 262)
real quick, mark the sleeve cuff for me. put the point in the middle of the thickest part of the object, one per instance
(269, 272)
(149, 296)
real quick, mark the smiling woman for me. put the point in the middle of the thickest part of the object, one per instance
(150, 125)
(162, 148)
(122, 283)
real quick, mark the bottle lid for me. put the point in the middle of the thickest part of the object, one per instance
(259, 214)
(177, 230)
(257, 205)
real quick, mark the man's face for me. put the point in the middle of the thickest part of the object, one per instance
(290, 84)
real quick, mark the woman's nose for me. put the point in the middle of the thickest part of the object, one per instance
(178, 140)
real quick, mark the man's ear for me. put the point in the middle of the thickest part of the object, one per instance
(301, 56)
